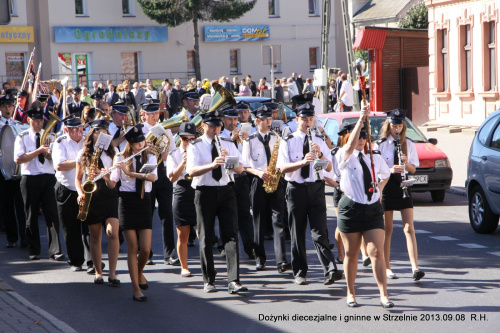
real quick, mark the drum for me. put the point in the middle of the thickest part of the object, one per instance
(8, 134)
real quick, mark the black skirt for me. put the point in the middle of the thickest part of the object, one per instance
(135, 213)
(356, 217)
(392, 196)
(103, 205)
(337, 194)
(183, 206)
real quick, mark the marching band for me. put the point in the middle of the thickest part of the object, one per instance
(221, 168)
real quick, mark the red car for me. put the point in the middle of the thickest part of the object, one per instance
(434, 173)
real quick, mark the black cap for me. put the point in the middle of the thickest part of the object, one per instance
(303, 99)
(73, 122)
(22, 93)
(272, 105)
(262, 112)
(8, 99)
(99, 124)
(213, 118)
(187, 129)
(36, 113)
(396, 116)
(346, 128)
(151, 107)
(123, 109)
(91, 113)
(135, 134)
(42, 97)
(242, 106)
(97, 95)
(305, 110)
(230, 112)
(76, 90)
(191, 95)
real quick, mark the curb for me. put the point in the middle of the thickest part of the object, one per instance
(457, 190)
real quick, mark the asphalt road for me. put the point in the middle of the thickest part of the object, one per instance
(459, 293)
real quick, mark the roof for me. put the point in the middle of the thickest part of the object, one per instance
(381, 9)
(370, 39)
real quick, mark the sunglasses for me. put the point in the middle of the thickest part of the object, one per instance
(187, 139)
(363, 136)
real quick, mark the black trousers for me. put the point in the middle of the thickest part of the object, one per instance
(39, 191)
(162, 192)
(74, 230)
(212, 202)
(307, 201)
(268, 206)
(13, 215)
(245, 227)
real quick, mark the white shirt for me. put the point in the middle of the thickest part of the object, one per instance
(387, 148)
(112, 131)
(347, 99)
(335, 172)
(106, 160)
(292, 89)
(5, 121)
(173, 161)
(291, 151)
(254, 153)
(26, 143)
(351, 175)
(227, 134)
(128, 183)
(200, 153)
(66, 149)
(147, 127)
(292, 124)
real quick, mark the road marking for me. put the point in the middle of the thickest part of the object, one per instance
(423, 232)
(495, 253)
(472, 246)
(444, 238)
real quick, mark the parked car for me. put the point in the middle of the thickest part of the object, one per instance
(434, 173)
(483, 176)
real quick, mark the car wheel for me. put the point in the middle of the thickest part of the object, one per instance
(482, 219)
(438, 195)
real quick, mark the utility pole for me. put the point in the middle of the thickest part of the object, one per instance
(348, 40)
(325, 35)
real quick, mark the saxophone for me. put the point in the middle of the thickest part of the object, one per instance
(89, 186)
(276, 174)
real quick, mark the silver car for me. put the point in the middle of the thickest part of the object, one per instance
(483, 176)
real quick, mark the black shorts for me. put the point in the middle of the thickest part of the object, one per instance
(356, 217)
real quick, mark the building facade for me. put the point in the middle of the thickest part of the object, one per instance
(463, 61)
(91, 40)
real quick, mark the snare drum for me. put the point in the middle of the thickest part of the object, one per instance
(8, 133)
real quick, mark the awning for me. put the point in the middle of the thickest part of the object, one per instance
(369, 38)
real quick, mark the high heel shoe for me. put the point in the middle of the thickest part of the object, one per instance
(140, 299)
(387, 305)
(144, 286)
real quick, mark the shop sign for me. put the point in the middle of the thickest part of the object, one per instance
(10, 34)
(111, 34)
(236, 33)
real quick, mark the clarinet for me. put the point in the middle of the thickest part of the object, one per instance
(219, 150)
(316, 172)
(404, 183)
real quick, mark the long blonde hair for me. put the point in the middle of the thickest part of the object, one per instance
(385, 132)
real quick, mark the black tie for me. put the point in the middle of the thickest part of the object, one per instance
(265, 142)
(367, 176)
(304, 171)
(217, 172)
(117, 134)
(138, 182)
(41, 158)
(396, 157)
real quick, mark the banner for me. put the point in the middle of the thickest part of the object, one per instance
(236, 33)
(110, 34)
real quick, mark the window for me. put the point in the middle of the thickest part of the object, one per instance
(313, 58)
(81, 8)
(485, 130)
(130, 66)
(489, 56)
(495, 140)
(313, 8)
(13, 8)
(190, 62)
(127, 8)
(274, 8)
(443, 84)
(234, 61)
(466, 58)
(14, 64)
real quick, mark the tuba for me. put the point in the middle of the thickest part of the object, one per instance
(89, 186)
(48, 136)
(276, 174)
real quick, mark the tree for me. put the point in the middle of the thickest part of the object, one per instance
(416, 17)
(176, 12)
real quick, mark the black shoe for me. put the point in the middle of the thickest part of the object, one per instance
(34, 257)
(91, 269)
(418, 274)
(387, 305)
(58, 257)
(11, 245)
(172, 261)
(140, 299)
(260, 267)
(191, 243)
(284, 266)
(114, 282)
(367, 261)
(300, 280)
(332, 277)
(99, 280)
(352, 304)
(235, 287)
(144, 286)
(209, 288)
(150, 262)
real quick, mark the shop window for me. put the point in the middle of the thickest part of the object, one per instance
(313, 58)
(14, 68)
(489, 29)
(234, 62)
(313, 7)
(190, 62)
(130, 66)
(81, 8)
(274, 8)
(442, 60)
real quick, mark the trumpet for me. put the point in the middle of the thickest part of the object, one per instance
(405, 183)
(48, 136)
(219, 150)
(317, 177)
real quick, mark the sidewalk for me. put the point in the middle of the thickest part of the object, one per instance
(17, 314)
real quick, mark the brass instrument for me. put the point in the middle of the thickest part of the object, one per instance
(100, 113)
(130, 120)
(316, 172)
(276, 174)
(219, 150)
(48, 137)
(283, 112)
(89, 186)
(404, 182)
(160, 143)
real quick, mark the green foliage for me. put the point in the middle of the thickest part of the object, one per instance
(175, 12)
(416, 17)
(363, 54)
